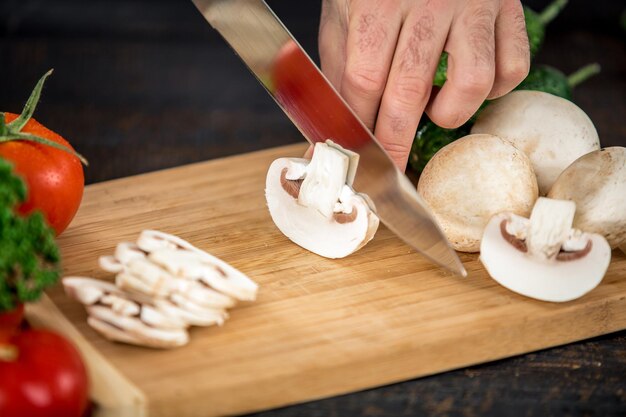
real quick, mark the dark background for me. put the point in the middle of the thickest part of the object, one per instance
(141, 85)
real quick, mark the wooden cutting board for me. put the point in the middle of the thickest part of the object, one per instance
(320, 327)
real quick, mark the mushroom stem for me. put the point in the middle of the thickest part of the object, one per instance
(324, 180)
(550, 224)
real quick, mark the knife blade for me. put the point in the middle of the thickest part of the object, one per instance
(300, 89)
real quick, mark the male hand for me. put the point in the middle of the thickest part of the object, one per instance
(381, 55)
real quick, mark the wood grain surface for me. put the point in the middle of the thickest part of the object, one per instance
(320, 327)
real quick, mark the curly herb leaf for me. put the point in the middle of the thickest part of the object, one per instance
(29, 256)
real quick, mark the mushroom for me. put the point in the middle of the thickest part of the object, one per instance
(470, 180)
(178, 256)
(163, 285)
(596, 182)
(543, 257)
(552, 131)
(313, 204)
(125, 317)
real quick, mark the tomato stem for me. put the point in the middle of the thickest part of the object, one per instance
(13, 130)
(32, 138)
(30, 106)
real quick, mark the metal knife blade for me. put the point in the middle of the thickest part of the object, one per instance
(314, 106)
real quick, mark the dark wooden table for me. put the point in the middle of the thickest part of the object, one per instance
(142, 85)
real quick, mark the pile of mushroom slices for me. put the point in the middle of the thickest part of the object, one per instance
(525, 145)
(163, 285)
(313, 203)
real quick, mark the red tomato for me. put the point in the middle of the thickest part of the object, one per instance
(54, 177)
(46, 379)
(321, 114)
(10, 321)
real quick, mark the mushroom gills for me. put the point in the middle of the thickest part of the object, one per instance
(553, 263)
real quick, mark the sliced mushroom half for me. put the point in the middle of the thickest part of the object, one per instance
(543, 257)
(312, 203)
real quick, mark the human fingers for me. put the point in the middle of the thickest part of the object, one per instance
(373, 28)
(512, 51)
(471, 65)
(409, 84)
(332, 41)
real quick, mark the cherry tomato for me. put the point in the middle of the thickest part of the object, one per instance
(10, 321)
(55, 178)
(47, 378)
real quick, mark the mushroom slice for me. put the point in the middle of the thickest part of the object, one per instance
(110, 264)
(110, 324)
(200, 293)
(596, 182)
(209, 315)
(154, 317)
(300, 211)
(553, 262)
(89, 291)
(125, 252)
(209, 270)
(135, 284)
(192, 316)
(182, 258)
(151, 240)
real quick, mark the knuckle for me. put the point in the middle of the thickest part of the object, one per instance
(514, 71)
(411, 91)
(397, 150)
(365, 81)
(475, 83)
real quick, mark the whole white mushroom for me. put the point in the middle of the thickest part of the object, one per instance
(472, 179)
(552, 131)
(596, 182)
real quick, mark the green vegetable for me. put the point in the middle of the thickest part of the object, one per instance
(29, 257)
(550, 80)
(442, 70)
(535, 27)
(430, 138)
(536, 23)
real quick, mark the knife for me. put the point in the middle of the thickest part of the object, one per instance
(318, 111)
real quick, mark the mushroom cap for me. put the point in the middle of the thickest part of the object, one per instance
(547, 280)
(552, 131)
(309, 228)
(596, 182)
(472, 179)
